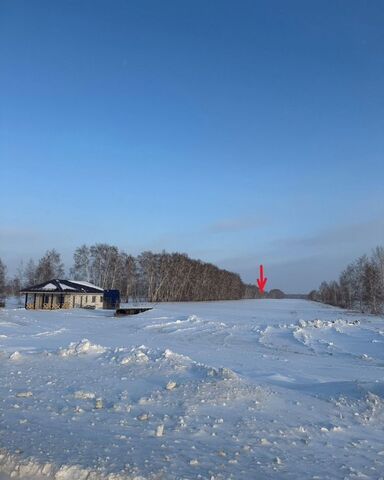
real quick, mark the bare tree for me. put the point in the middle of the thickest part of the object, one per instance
(156, 277)
(347, 287)
(372, 291)
(30, 276)
(378, 261)
(49, 266)
(104, 265)
(361, 285)
(81, 264)
(127, 276)
(314, 296)
(3, 270)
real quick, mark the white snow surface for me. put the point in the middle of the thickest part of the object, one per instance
(49, 286)
(66, 287)
(282, 389)
(86, 284)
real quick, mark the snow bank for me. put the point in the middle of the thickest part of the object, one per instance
(15, 467)
(318, 323)
(81, 348)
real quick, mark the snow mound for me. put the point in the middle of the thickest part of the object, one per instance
(81, 348)
(137, 357)
(168, 360)
(174, 357)
(15, 356)
(134, 356)
(83, 395)
(318, 323)
(220, 373)
(15, 467)
(191, 324)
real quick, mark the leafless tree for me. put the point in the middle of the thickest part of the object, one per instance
(3, 270)
(361, 285)
(372, 291)
(81, 264)
(30, 277)
(49, 266)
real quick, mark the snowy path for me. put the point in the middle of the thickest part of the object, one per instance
(248, 389)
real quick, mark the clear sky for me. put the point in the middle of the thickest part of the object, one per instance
(240, 132)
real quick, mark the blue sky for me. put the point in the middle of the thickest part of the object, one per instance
(239, 132)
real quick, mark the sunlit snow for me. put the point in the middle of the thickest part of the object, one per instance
(282, 389)
(49, 286)
(86, 284)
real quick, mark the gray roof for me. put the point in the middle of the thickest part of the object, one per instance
(63, 286)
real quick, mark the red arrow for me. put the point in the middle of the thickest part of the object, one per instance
(261, 282)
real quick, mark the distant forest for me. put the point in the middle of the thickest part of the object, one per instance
(360, 285)
(154, 277)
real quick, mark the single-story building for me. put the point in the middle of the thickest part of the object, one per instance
(55, 294)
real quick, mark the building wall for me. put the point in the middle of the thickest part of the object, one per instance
(46, 301)
(83, 300)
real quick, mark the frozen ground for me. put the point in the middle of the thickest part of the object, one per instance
(255, 389)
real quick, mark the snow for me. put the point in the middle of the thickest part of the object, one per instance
(66, 287)
(281, 389)
(82, 347)
(86, 284)
(49, 286)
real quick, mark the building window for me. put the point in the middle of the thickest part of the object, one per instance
(86, 299)
(101, 298)
(46, 298)
(94, 299)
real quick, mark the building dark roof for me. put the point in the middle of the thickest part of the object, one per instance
(63, 286)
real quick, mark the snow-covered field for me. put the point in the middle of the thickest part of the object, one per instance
(251, 389)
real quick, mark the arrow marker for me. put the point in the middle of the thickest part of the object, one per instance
(262, 281)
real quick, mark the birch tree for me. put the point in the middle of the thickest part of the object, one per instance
(50, 266)
(2, 278)
(81, 264)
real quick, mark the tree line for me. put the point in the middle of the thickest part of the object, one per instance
(360, 285)
(154, 277)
